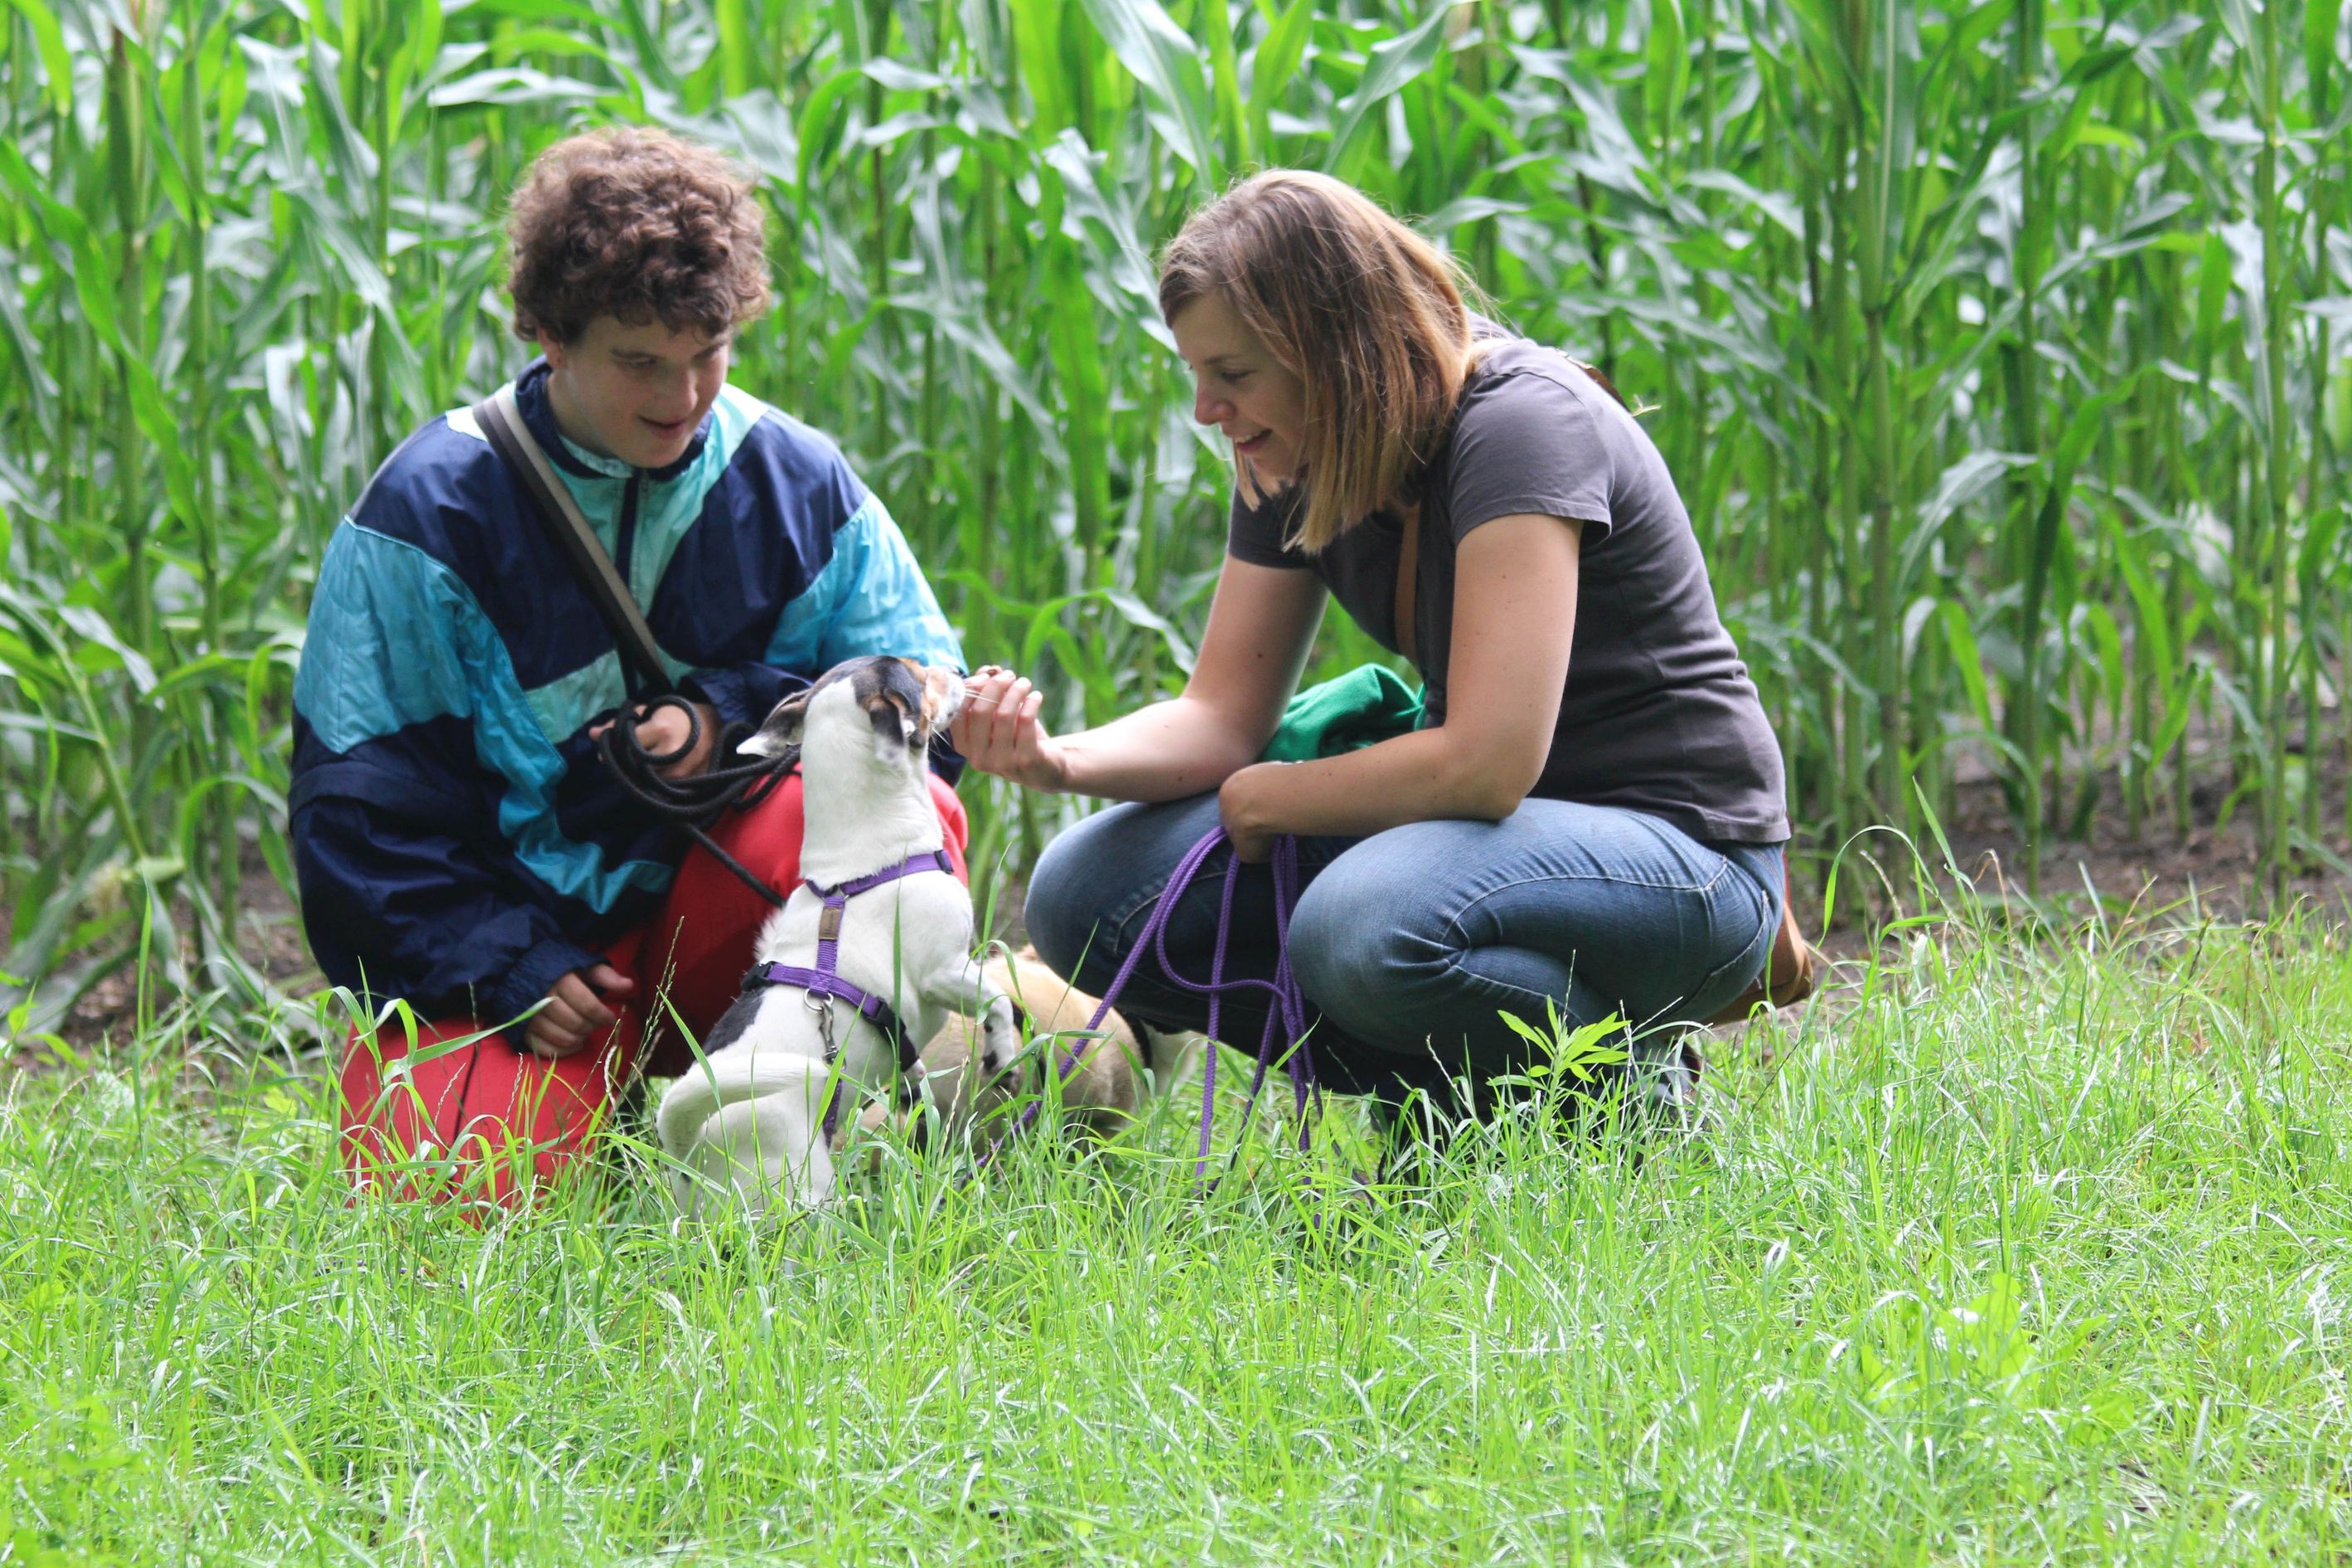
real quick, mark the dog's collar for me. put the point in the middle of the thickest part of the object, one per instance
(929, 860)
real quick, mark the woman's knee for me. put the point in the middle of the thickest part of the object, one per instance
(1057, 903)
(1084, 880)
(1362, 943)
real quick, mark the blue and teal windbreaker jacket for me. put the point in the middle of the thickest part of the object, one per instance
(458, 842)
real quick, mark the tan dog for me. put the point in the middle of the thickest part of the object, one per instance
(1106, 1092)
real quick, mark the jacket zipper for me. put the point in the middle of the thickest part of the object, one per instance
(626, 541)
(625, 545)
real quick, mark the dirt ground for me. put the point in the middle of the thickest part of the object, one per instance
(2213, 873)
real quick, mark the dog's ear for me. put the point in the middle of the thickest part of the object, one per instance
(895, 724)
(779, 736)
(943, 697)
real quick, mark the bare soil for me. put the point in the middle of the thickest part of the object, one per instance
(269, 932)
(2212, 873)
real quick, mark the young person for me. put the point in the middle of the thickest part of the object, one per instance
(458, 841)
(1592, 814)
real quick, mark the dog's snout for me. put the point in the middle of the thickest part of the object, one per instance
(952, 697)
(943, 697)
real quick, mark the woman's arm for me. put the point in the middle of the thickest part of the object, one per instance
(1514, 621)
(1261, 624)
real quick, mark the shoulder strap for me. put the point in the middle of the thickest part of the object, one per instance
(500, 418)
(1407, 571)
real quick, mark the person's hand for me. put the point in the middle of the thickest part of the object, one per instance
(1241, 802)
(575, 1012)
(665, 729)
(998, 732)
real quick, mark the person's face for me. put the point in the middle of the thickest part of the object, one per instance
(637, 393)
(1242, 389)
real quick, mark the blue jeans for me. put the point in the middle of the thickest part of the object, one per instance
(1411, 943)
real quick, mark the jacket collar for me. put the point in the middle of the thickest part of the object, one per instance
(539, 413)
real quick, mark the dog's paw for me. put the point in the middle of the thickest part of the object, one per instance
(1000, 1038)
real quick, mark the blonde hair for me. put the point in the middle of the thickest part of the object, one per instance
(1366, 313)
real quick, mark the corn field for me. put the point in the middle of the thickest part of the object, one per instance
(1998, 351)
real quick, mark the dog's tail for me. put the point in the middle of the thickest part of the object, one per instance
(716, 1082)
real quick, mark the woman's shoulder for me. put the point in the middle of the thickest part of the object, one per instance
(1512, 367)
(1526, 401)
(1533, 432)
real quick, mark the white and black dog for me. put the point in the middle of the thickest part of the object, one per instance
(861, 965)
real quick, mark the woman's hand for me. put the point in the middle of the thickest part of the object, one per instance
(997, 731)
(1241, 805)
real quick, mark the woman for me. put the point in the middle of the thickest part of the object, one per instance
(1591, 815)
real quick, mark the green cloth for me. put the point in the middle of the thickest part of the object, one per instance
(1369, 704)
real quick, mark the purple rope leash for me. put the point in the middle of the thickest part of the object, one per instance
(1285, 1021)
(1288, 1014)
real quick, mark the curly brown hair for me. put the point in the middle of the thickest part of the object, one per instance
(635, 224)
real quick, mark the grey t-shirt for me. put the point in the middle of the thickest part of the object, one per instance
(1659, 714)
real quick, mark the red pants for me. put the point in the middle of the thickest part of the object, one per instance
(478, 1119)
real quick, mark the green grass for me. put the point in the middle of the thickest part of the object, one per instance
(2018, 1254)
(1998, 348)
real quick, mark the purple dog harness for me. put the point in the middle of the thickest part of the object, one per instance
(826, 981)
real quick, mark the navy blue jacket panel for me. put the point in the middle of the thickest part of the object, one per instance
(457, 843)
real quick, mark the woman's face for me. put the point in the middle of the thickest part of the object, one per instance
(1242, 389)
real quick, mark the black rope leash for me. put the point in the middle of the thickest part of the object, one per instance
(696, 802)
